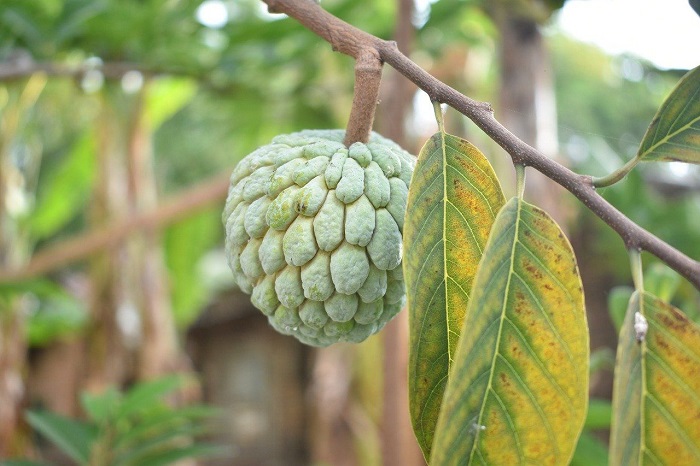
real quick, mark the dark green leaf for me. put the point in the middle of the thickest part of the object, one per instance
(73, 437)
(674, 133)
(695, 4)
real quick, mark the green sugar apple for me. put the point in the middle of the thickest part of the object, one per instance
(313, 233)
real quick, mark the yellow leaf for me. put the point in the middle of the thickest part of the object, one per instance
(518, 389)
(453, 199)
(656, 396)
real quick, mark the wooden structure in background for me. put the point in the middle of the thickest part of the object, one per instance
(257, 377)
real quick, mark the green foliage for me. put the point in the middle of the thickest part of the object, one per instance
(52, 312)
(65, 194)
(136, 427)
(186, 243)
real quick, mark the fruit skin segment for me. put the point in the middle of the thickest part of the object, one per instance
(314, 233)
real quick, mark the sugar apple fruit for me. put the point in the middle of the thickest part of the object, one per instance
(313, 233)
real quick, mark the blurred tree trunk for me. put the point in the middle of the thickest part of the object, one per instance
(14, 252)
(112, 311)
(527, 105)
(133, 334)
(158, 353)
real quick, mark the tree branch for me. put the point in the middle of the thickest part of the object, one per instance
(81, 246)
(24, 67)
(351, 41)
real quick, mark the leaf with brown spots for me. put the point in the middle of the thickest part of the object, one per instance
(518, 389)
(656, 396)
(674, 133)
(452, 202)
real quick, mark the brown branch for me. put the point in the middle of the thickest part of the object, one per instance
(368, 77)
(81, 246)
(351, 41)
(22, 68)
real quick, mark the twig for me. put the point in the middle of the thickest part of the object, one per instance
(79, 247)
(351, 41)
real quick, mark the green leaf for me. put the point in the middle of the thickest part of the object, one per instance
(101, 407)
(147, 394)
(158, 422)
(695, 4)
(674, 133)
(165, 97)
(590, 451)
(186, 242)
(618, 298)
(453, 199)
(656, 394)
(65, 193)
(661, 281)
(170, 439)
(72, 437)
(518, 390)
(598, 416)
(56, 316)
(176, 454)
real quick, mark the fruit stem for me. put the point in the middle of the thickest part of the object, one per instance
(368, 76)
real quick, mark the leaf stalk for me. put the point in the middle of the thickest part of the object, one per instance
(617, 175)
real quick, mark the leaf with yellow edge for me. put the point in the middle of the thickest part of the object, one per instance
(518, 389)
(656, 396)
(674, 133)
(452, 202)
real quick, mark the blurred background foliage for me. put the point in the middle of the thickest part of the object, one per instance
(203, 91)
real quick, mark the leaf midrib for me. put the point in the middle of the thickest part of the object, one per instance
(444, 248)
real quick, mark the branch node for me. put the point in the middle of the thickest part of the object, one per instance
(368, 76)
(272, 6)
